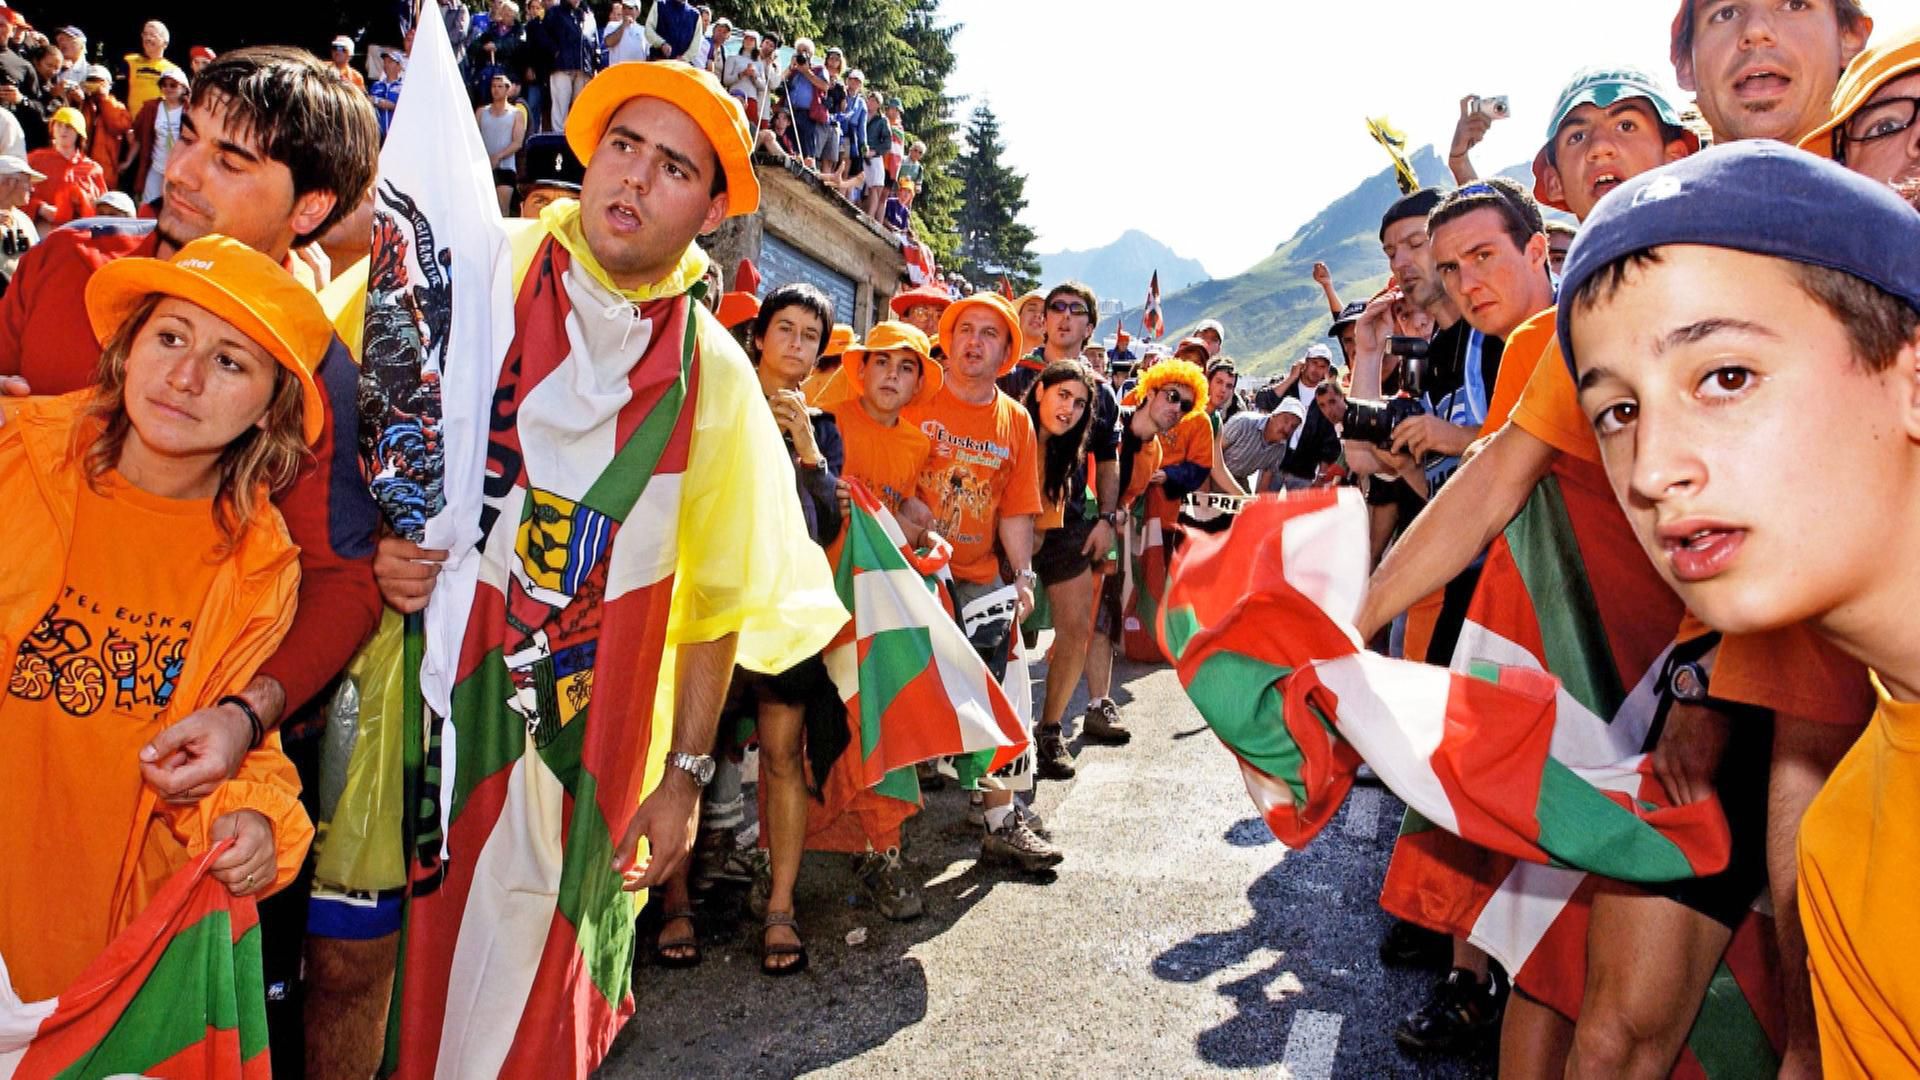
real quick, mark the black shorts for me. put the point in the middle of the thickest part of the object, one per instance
(504, 178)
(1725, 897)
(1060, 558)
(1393, 491)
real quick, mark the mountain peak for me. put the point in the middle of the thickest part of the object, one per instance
(1123, 267)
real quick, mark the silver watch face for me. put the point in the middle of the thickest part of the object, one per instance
(1687, 683)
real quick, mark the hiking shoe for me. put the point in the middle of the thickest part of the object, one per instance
(1050, 758)
(885, 881)
(976, 808)
(1013, 842)
(1408, 944)
(1461, 1013)
(1101, 724)
(1033, 821)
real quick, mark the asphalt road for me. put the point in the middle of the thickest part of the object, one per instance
(1179, 938)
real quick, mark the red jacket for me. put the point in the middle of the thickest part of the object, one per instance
(44, 338)
(69, 188)
(109, 125)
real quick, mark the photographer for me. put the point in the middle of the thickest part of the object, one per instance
(807, 84)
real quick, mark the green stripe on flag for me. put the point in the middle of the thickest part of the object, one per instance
(1580, 826)
(166, 1015)
(590, 894)
(250, 988)
(1238, 696)
(1177, 628)
(902, 784)
(482, 744)
(1727, 1038)
(894, 659)
(625, 478)
(1548, 557)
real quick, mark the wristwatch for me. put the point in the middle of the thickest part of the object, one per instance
(698, 766)
(1115, 518)
(1028, 575)
(1687, 682)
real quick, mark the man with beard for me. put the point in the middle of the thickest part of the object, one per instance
(1762, 69)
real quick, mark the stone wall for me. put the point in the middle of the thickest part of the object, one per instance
(806, 231)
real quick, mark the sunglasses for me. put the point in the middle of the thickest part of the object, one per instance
(1062, 307)
(1173, 395)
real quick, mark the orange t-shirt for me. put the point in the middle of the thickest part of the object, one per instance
(85, 692)
(1531, 344)
(888, 460)
(984, 466)
(1548, 407)
(1189, 442)
(1860, 900)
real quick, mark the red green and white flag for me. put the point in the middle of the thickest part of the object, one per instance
(903, 666)
(1259, 621)
(178, 994)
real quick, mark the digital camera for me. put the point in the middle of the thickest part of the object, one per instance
(1374, 421)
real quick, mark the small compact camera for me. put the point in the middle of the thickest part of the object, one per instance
(1493, 108)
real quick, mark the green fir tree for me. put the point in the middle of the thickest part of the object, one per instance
(993, 242)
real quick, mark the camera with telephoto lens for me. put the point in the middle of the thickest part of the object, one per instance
(1374, 421)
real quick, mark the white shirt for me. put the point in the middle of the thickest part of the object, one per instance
(166, 132)
(633, 45)
(19, 224)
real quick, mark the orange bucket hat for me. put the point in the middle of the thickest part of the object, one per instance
(895, 335)
(1871, 70)
(694, 92)
(736, 308)
(839, 340)
(1000, 306)
(238, 284)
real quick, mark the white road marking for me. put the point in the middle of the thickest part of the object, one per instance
(1311, 1044)
(1363, 812)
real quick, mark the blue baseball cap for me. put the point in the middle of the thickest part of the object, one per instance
(1760, 197)
(1603, 87)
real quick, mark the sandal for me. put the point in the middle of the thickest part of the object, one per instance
(661, 945)
(770, 952)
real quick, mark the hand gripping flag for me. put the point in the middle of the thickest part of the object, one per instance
(1151, 320)
(439, 317)
(178, 994)
(914, 688)
(1259, 622)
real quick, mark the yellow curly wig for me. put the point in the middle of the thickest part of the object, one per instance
(1183, 372)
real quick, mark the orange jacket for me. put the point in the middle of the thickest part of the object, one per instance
(239, 624)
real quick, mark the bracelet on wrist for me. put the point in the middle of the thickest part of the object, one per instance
(253, 718)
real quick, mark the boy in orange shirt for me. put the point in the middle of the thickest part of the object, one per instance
(206, 404)
(893, 370)
(1728, 320)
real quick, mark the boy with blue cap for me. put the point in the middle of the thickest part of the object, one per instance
(1728, 321)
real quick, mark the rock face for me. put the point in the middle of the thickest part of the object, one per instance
(1120, 270)
(1273, 311)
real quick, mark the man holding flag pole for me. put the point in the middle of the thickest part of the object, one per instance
(632, 504)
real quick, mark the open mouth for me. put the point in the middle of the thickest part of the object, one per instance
(1761, 83)
(1606, 182)
(623, 218)
(1704, 552)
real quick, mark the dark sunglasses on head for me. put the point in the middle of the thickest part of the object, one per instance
(1062, 307)
(1186, 403)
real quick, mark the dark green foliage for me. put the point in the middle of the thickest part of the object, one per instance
(993, 242)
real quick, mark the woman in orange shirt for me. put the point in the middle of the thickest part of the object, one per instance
(148, 576)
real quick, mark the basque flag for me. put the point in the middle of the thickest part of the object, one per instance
(1155, 325)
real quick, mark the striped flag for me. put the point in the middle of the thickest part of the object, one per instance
(1151, 320)
(178, 994)
(1566, 590)
(903, 666)
(1259, 622)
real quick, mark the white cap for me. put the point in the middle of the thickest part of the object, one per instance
(1209, 324)
(119, 200)
(1293, 406)
(13, 166)
(343, 42)
(97, 71)
(172, 71)
(1318, 351)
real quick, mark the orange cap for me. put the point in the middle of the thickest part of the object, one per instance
(1871, 70)
(736, 308)
(1001, 306)
(935, 295)
(238, 284)
(694, 92)
(839, 340)
(895, 335)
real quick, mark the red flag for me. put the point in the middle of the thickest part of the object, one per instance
(1151, 319)
(747, 278)
(1006, 287)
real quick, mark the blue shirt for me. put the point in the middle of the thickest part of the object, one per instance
(388, 92)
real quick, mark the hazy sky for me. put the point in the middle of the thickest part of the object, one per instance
(1220, 127)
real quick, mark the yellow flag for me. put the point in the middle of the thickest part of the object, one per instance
(1395, 141)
